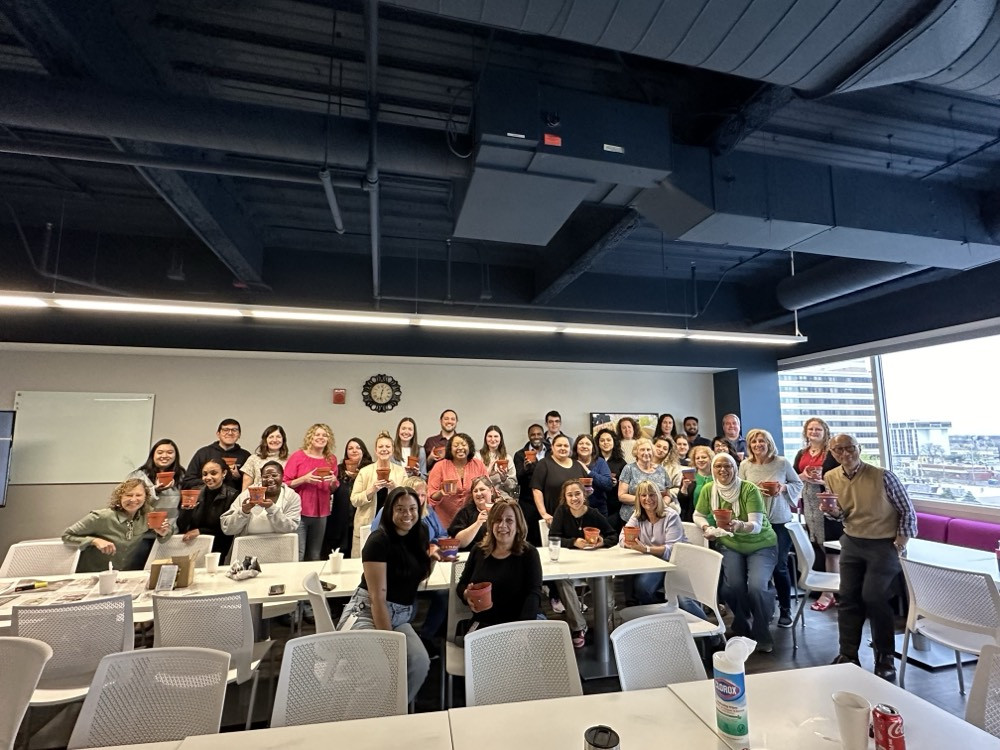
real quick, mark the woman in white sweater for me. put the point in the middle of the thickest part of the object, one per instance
(370, 491)
(278, 513)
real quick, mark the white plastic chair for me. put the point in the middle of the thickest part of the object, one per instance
(520, 661)
(543, 531)
(656, 651)
(200, 546)
(695, 575)
(693, 533)
(153, 695)
(39, 557)
(454, 655)
(983, 709)
(809, 580)
(80, 634)
(21, 663)
(270, 548)
(321, 608)
(959, 609)
(352, 674)
(216, 621)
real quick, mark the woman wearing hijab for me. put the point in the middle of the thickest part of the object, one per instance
(748, 545)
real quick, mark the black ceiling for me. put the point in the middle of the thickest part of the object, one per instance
(860, 135)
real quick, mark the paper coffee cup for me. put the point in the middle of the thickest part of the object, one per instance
(106, 581)
(212, 562)
(336, 562)
(853, 715)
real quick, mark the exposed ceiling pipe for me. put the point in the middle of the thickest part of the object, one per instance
(79, 108)
(527, 306)
(835, 278)
(331, 198)
(371, 170)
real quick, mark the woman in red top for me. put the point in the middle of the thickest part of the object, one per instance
(450, 480)
(312, 472)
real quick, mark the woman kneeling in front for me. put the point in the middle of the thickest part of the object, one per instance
(395, 562)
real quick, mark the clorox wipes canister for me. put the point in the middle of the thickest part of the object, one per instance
(730, 688)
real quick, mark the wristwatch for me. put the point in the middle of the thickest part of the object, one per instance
(647, 549)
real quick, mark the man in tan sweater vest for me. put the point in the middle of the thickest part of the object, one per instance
(878, 521)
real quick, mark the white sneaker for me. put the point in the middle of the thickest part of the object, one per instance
(557, 606)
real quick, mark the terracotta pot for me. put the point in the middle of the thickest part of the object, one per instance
(155, 518)
(530, 455)
(770, 488)
(323, 471)
(256, 495)
(412, 462)
(631, 533)
(502, 464)
(382, 474)
(230, 462)
(723, 517)
(449, 486)
(591, 534)
(586, 481)
(189, 498)
(164, 477)
(438, 452)
(481, 594)
(816, 472)
(448, 547)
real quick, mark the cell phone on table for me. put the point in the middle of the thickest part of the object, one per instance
(327, 586)
(276, 589)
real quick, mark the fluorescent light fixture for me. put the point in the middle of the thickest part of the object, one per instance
(638, 333)
(321, 317)
(10, 300)
(746, 338)
(486, 325)
(147, 307)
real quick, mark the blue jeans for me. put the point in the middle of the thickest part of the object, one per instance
(782, 582)
(744, 590)
(358, 616)
(649, 590)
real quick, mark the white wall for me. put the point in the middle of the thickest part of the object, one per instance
(194, 392)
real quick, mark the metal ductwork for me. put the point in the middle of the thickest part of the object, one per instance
(77, 108)
(835, 278)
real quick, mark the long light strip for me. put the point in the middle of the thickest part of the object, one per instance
(86, 303)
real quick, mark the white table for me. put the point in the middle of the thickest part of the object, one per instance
(642, 718)
(947, 556)
(794, 709)
(430, 731)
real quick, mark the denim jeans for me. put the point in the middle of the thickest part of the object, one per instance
(358, 616)
(649, 590)
(311, 531)
(782, 583)
(744, 590)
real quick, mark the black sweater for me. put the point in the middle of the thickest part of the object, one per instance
(569, 528)
(206, 514)
(517, 584)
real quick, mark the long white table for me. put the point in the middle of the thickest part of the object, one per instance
(794, 709)
(597, 566)
(947, 556)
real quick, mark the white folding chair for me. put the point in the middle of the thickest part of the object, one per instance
(80, 634)
(520, 661)
(271, 548)
(352, 674)
(983, 709)
(153, 695)
(454, 655)
(543, 531)
(809, 580)
(696, 576)
(321, 608)
(217, 621)
(21, 663)
(39, 557)
(656, 651)
(959, 609)
(200, 546)
(693, 533)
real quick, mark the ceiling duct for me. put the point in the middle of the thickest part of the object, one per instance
(541, 151)
(835, 278)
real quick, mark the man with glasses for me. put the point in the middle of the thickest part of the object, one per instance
(226, 447)
(878, 521)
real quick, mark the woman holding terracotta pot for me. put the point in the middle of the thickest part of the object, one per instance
(111, 535)
(596, 471)
(372, 486)
(731, 511)
(611, 451)
(340, 524)
(312, 472)
(665, 453)
(451, 478)
(214, 499)
(693, 478)
(645, 468)
(781, 488)
(407, 450)
(162, 474)
(511, 566)
(273, 446)
(469, 524)
(271, 508)
(499, 464)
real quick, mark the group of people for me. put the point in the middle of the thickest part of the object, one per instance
(411, 495)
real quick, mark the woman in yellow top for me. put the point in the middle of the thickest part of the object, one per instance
(370, 492)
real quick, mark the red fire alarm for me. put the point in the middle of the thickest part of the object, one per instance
(340, 395)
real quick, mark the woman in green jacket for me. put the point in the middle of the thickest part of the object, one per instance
(748, 545)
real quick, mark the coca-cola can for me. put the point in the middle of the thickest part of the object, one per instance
(888, 726)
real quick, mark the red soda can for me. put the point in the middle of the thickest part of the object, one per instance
(888, 725)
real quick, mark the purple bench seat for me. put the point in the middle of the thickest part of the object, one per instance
(963, 532)
(932, 527)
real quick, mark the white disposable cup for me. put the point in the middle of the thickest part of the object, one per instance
(555, 544)
(336, 561)
(106, 581)
(212, 562)
(853, 716)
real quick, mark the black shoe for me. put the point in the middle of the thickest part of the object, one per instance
(432, 648)
(842, 659)
(885, 667)
(785, 618)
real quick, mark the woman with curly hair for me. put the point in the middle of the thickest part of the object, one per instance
(110, 535)
(312, 472)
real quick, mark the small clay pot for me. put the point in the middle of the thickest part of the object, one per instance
(164, 478)
(586, 481)
(256, 495)
(631, 533)
(155, 518)
(448, 547)
(481, 594)
(189, 498)
(591, 534)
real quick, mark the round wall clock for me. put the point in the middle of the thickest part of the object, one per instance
(381, 393)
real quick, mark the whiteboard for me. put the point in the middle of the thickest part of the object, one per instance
(79, 438)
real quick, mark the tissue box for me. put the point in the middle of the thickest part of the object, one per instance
(185, 570)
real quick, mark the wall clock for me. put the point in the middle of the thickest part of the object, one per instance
(381, 393)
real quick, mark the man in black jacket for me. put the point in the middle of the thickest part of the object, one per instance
(226, 447)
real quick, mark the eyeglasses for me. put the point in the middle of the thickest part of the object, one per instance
(229, 429)
(844, 449)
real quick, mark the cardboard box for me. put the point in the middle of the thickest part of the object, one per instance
(185, 570)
